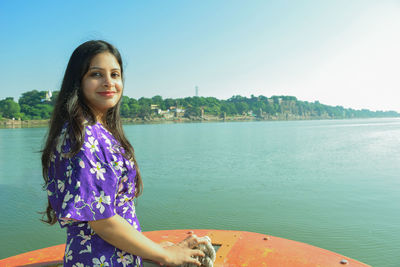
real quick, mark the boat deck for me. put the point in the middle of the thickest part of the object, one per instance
(234, 248)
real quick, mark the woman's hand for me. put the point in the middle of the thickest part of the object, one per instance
(119, 233)
(192, 241)
(166, 244)
(178, 255)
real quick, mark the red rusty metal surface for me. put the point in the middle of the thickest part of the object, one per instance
(254, 249)
(244, 249)
(237, 248)
(45, 256)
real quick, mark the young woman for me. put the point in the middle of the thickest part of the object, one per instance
(90, 170)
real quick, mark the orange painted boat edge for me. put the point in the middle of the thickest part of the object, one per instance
(236, 248)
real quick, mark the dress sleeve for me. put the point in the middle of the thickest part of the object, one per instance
(90, 183)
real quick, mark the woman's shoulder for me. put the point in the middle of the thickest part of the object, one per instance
(89, 131)
(97, 132)
(96, 142)
(99, 140)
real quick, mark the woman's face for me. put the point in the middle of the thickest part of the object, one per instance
(102, 84)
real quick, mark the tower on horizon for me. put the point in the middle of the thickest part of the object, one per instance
(196, 90)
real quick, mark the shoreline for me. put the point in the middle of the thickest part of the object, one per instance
(10, 124)
(7, 123)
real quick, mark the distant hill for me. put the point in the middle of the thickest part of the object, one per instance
(37, 105)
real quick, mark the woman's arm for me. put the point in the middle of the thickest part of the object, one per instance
(119, 233)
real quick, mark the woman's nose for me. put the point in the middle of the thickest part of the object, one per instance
(108, 82)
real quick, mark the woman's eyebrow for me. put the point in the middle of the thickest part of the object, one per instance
(98, 68)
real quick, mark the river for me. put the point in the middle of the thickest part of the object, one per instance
(331, 183)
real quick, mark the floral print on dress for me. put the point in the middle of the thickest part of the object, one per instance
(97, 183)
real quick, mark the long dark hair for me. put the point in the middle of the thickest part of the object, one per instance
(71, 107)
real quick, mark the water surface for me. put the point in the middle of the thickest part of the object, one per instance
(333, 184)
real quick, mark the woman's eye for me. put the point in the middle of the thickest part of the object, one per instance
(115, 74)
(95, 74)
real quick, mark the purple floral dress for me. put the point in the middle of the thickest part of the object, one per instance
(96, 183)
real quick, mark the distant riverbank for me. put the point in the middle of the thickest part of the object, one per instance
(7, 123)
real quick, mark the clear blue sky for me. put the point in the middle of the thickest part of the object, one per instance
(340, 52)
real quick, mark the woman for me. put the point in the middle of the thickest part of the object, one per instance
(90, 170)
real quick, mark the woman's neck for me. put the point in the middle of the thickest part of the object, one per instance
(102, 120)
(100, 117)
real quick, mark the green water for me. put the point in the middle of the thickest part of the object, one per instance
(332, 184)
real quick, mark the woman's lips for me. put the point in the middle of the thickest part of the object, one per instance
(107, 94)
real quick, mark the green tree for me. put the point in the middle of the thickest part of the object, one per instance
(157, 100)
(241, 107)
(34, 105)
(191, 111)
(169, 102)
(9, 108)
(229, 108)
(125, 110)
(32, 98)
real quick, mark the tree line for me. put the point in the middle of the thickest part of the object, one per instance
(37, 105)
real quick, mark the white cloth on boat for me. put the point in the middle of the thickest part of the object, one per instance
(209, 251)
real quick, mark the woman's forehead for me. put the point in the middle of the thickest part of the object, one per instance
(104, 61)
